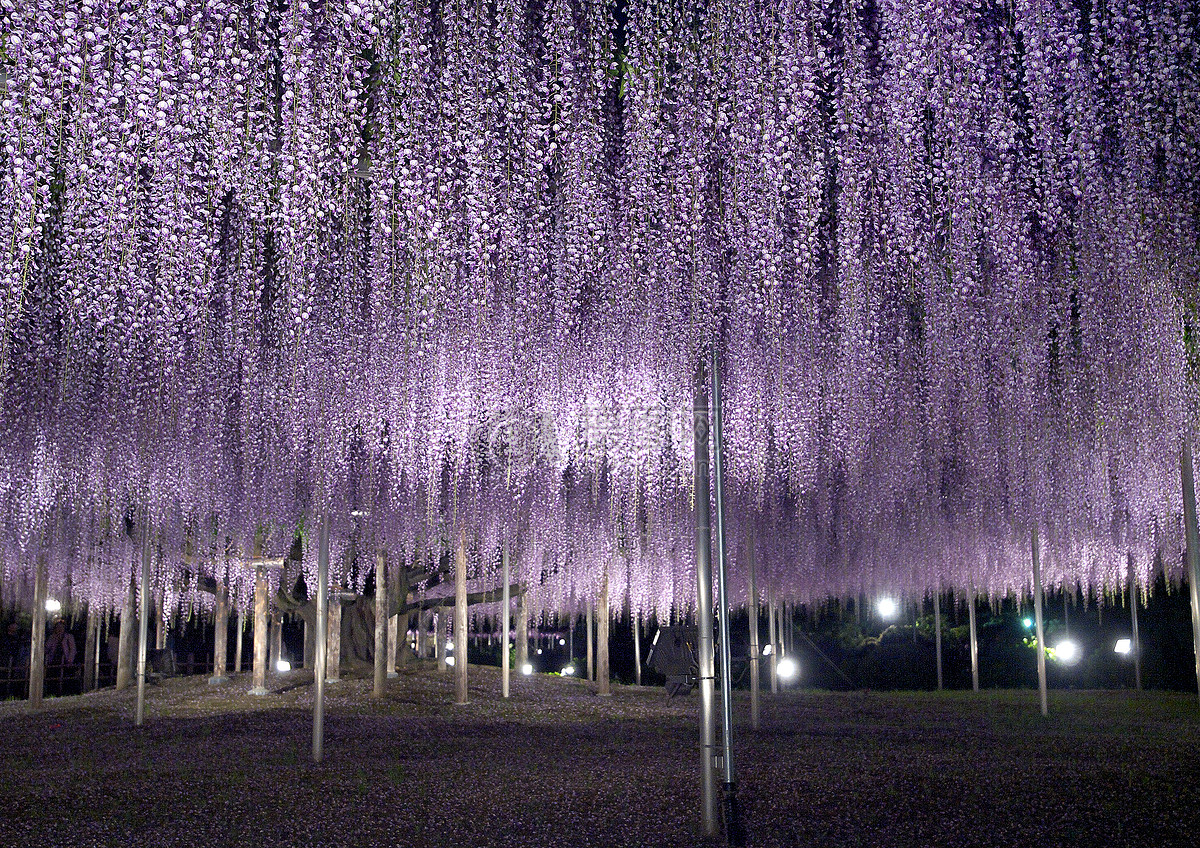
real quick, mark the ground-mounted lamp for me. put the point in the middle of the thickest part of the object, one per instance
(1027, 623)
(450, 661)
(787, 669)
(568, 670)
(1067, 652)
(283, 666)
(887, 608)
(527, 669)
(1123, 647)
(766, 651)
(53, 606)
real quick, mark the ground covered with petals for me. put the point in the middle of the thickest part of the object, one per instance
(557, 765)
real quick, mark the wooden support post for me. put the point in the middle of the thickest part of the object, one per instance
(320, 654)
(1037, 611)
(333, 640)
(143, 622)
(125, 639)
(275, 645)
(522, 631)
(773, 635)
(505, 621)
(37, 640)
(88, 657)
(160, 625)
(1136, 646)
(635, 619)
(589, 619)
(460, 620)
(974, 642)
(753, 616)
(937, 633)
(238, 645)
(1192, 537)
(602, 671)
(220, 636)
(439, 641)
(381, 625)
(395, 632)
(258, 680)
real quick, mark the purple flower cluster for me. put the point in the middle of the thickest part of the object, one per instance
(440, 265)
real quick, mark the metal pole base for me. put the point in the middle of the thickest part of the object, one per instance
(735, 834)
(259, 691)
(217, 681)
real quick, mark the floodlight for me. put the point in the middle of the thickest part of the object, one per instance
(527, 669)
(562, 641)
(283, 665)
(1027, 622)
(786, 669)
(53, 606)
(1124, 646)
(1067, 651)
(887, 608)
(568, 670)
(449, 644)
(767, 650)
(449, 660)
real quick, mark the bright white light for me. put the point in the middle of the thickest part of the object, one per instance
(786, 669)
(767, 650)
(1124, 646)
(53, 606)
(539, 652)
(527, 669)
(1027, 622)
(562, 641)
(283, 665)
(358, 513)
(568, 670)
(887, 608)
(1066, 651)
(449, 644)
(449, 660)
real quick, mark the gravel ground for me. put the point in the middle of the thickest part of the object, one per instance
(559, 766)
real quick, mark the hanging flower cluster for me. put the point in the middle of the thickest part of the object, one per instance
(451, 265)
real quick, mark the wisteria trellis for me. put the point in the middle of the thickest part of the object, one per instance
(453, 264)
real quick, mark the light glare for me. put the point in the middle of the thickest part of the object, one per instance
(1066, 651)
(283, 665)
(887, 608)
(53, 606)
(1124, 646)
(527, 669)
(787, 669)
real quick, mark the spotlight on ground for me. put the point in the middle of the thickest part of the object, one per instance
(53, 606)
(787, 669)
(568, 670)
(527, 669)
(1124, 646)
(283, 665)
(449, 660)
(887, 608)
(1067, 651)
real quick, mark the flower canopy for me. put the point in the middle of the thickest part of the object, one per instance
(445, 265)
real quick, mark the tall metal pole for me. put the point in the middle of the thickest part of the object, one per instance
(636, 620)
(505, 623)
(1137, 643)
(974, 642)
(729, 796)
(460, 619)
(1193, 546)
(143, 622)
(753, 611)
(704, 606)
(937, 633)
(37, 639)
(1037, 613)
(318, 746)
(379, 680)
